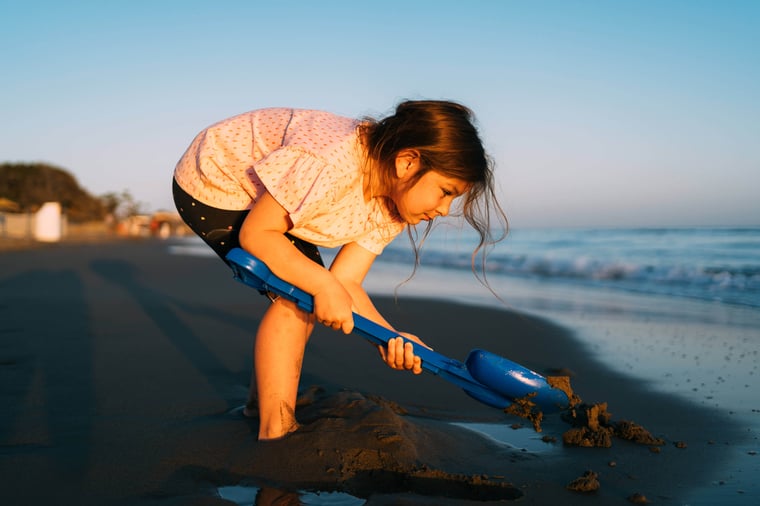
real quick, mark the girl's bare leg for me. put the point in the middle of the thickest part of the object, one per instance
(277, 357)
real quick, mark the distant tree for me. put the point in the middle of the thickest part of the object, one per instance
(32, 184)
(121, 205)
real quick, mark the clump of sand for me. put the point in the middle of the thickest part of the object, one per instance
(563, 383)
(638, 498)
(524, 407)
(587, 483)
(593, 427)
(592, 424)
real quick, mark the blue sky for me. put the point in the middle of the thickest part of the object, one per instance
(598, 113)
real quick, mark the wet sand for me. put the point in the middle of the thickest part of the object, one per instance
(123, 371)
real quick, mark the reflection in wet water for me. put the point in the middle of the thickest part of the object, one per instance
(267, 496)
(520, 439)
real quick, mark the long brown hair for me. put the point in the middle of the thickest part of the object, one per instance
(445, 136)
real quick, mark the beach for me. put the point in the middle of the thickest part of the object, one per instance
(124, 368)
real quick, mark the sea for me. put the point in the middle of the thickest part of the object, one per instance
(712, 264)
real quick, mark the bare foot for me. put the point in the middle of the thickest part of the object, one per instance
(288, 432)
(272, 430)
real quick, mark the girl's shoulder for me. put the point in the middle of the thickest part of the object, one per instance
(331, 138)
(319, 130)
(291, 126)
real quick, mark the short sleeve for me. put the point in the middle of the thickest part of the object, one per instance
(379, 238)
(383, 230)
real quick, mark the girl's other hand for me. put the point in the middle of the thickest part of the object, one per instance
(399, 354)
(333, 308)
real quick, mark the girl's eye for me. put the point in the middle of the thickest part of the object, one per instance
(446, 192)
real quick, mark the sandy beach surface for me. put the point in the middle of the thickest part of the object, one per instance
(123, 370)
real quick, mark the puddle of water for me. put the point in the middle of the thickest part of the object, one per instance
(249, 495)
(520, 439)
(238, 494)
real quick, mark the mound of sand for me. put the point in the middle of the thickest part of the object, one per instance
(358, 444)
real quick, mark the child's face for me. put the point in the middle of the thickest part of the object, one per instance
(431, 196)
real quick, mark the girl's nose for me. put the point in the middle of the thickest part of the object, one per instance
(443, 209)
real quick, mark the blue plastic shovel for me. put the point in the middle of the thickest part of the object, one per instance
(489, 378)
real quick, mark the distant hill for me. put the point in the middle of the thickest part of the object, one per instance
(32, 184)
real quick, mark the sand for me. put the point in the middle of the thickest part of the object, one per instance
(124, 370)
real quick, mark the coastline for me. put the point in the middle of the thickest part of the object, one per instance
(126, 368)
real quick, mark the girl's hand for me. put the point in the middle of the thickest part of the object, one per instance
(399, 354)
(333, 308)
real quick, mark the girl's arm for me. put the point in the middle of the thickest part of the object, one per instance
(263, 235)
(351, 265)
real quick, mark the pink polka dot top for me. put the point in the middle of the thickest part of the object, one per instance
(309, 161)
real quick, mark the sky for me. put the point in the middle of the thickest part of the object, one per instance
(597, 113)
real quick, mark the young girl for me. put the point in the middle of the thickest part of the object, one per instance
(280, 182)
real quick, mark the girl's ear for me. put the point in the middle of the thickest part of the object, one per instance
(407, 162)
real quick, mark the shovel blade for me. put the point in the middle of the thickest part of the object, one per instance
(514, 381)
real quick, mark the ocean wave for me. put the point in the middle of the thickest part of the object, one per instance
(738, 284)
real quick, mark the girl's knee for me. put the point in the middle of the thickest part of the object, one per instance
(286, 309)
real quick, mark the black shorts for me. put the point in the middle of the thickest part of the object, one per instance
(220, 228)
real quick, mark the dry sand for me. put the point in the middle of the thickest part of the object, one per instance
(123, 370)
